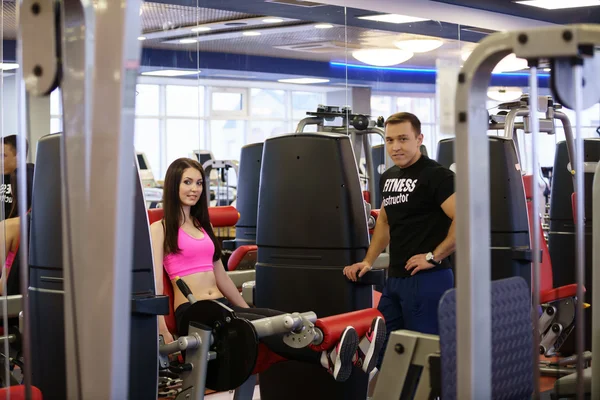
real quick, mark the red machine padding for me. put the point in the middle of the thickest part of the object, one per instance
(238, 255)
(332, 327)
(223, 216)
(375, 214)
(168, 291)
(574, 206)
(18, 393)
(559, 293)
(155, 214)
(546, 281)
(219, 216)
(367, 196)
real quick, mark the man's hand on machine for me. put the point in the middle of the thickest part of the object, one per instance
(355, 271)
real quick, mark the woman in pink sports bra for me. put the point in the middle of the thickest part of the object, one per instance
(185, 246)
(10, 231)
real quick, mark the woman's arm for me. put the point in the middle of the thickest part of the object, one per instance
(158, 238)
(227, 287)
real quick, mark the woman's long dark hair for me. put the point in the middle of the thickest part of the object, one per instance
(173, 209)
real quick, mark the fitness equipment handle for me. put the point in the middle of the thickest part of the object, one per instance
(185, 289)
(182, 343)
(282, 323)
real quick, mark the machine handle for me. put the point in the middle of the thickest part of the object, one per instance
(373, 277)
(185, 289)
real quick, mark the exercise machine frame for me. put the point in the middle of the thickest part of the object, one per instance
(569, 48)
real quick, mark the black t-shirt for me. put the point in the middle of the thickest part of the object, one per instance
(8, 190)
(412, 198)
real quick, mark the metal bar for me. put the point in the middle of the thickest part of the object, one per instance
(535, 127)
(23, 129)
(579, 227)
(77, 25)
(182, 343)
(473, 308)
(308, 121)
(595, 309)
(509, 125)
(198, 357)
(370, 170)
(281, 323)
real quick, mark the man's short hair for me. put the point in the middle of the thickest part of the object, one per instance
(12, 141)
(401, 117)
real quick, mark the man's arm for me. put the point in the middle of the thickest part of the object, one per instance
(448, 245)
(380, 239)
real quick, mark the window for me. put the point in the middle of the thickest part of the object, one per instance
(266, 103)
(147, 100)
(229, 103)
(381, 106)
(185, 101)
(261, 130)
(305, 101)
(183, 137)
(227, 138)
(147, 140)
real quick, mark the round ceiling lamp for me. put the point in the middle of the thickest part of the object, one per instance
(419, 45)
(504, 94)
(510, 63)
(382, 57)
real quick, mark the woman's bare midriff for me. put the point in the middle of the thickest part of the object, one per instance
(202, 284)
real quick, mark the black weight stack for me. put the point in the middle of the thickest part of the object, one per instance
(247, 196)
(561, 237)
(311, 223)
(46, 289)
(510, 245)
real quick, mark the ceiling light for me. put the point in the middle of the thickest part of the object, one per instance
(323, 26)
(187, 41)
(303, 81)
(251, 33)
(559, 5)
(141, 38)
(510, 63)
(8, 66)
(170, 72)
(419, 45)
(547, 69)
(393, 18)
(201, 29)
(504, 94)
(382, 57)
(272, 20)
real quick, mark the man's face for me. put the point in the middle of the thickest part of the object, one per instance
(10, 159)
(402, 143)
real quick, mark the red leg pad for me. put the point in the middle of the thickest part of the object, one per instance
(238, 255)
(559, 293)
(266, 358)
(223, 216)
(332, 327)
(18, 393)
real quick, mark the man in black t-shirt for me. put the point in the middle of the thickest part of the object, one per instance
(8, 188)
(416, 219)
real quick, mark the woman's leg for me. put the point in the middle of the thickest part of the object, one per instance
(338, 361)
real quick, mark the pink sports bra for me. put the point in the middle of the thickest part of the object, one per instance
(196, 255)
(10, 259)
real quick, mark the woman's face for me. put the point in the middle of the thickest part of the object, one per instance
(190, 187)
